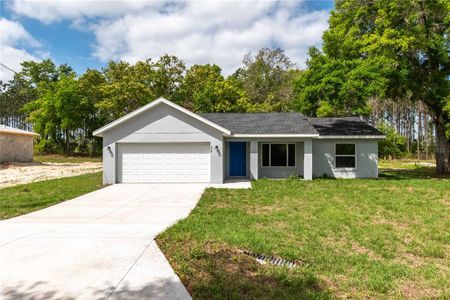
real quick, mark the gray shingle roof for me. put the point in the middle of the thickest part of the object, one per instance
(290, 123)
(343, 126)
(262, 123)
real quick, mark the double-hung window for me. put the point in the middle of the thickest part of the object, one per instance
(345, 156)
(278, 155)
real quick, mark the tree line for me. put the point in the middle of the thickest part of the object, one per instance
(385, 61)
(65, 108)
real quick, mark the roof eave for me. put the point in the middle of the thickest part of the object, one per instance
(274, 135)
(379, 137)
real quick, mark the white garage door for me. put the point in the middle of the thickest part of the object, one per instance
(182, 162)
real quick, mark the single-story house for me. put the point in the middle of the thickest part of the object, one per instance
(16, 145)
(164, 142)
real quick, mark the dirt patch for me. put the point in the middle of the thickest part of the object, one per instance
(413, 290)
(20, 173)
(411, 259)
(379, 220)
(263, 210)
(422, 163)
(357, 248)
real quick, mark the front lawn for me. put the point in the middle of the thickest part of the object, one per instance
(25, 198)
(372, 238)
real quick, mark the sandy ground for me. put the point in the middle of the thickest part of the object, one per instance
(18, 173)
(423, 163)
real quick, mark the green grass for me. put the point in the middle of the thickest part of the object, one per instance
(363, 238)
(404, 163)
(408, 168)
(58, 158)
(25, 198)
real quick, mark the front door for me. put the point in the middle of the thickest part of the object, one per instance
(238, 158)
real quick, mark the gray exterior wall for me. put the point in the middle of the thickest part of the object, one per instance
(254, 168)
(165, 124)
(323, 159)
(366, 158)
(16, 147)
(282, 172)
(161, 124)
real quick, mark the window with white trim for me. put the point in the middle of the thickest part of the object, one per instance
(278, 155)
(345, 155)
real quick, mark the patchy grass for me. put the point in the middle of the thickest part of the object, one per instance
(408, 168)
(59, 158)
(408, 164)
(25, 198)
(363, 238)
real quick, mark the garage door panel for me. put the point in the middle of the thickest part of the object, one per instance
(188, 162)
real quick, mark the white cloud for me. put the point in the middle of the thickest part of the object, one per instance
(13, 40)
(49, 11)
(220, 32)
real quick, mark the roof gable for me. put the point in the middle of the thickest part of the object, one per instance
(147, 107)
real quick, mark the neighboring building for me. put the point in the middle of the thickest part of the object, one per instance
(163, 142)
(16, 145)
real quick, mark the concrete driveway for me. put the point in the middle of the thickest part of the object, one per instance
(97, 246)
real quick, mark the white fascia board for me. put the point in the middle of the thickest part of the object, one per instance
(373, 137)
(275, 135)
(99, 132)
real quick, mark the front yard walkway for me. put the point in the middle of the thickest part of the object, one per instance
(97, 246)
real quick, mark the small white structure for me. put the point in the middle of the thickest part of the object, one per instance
(163, 142)
(16, 145)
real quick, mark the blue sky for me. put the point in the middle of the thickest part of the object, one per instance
(86, 34)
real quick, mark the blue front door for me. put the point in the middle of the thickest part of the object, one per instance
(238, 158)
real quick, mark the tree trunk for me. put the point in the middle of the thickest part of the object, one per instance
(67, 143)
(419, 131)
(442, 146)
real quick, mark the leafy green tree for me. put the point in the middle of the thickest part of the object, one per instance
(336, 87)
(41, 79)
(90, 88)
(390, 49)
(221, 96)
(38, 73)
(126, 88)
(168, 75)
(42, 114)
(197, 78)
(64, 109)
(13, 96)
(71, 108)
(394, 145)
(23, 88)
(267, 78)
(58, 113)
